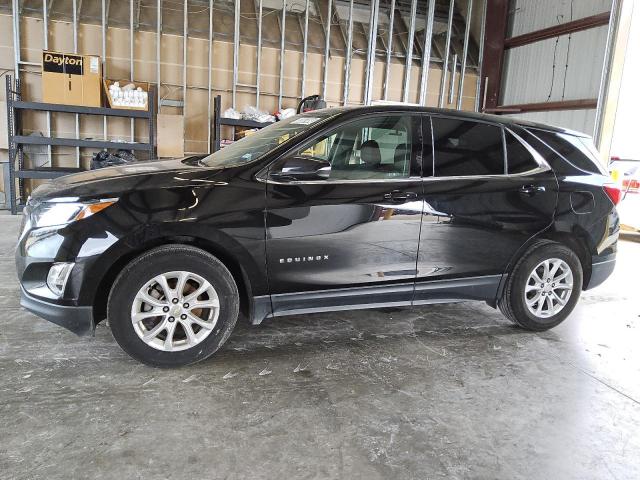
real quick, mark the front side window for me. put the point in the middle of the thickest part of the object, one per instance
(372, 148)
(467, 148)
(263, 141)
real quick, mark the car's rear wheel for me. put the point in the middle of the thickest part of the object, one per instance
(543, 287)
(173, 306)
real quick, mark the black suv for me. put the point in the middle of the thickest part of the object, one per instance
(336, 209)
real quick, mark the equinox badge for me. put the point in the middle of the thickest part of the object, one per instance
(316, 258)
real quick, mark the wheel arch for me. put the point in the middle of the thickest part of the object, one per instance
(220, 251)
(577, 241)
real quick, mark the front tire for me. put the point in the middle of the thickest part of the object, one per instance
(543, 288)
(173, 306)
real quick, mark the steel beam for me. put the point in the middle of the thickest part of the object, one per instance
(465, 52)
(45, 44)
(103, 32)
(15, 16)
(371, 51)
(606, 71)
(347, 60)
(387, 67)
(493, 53)
(158, 49)
(580, 104)
(452, 83)
(131, 59)
(45, 24)
(209, 76)
(483, 23)
(138, 14)
(75, 11)
(185, 49)
(409, 52)
(305, 34)
(282, 52)
(327, 48)
(447, 47)
(574, 26)
(259, 54)
(426, 53)
(236, 50)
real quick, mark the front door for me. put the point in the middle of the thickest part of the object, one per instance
(343, 216)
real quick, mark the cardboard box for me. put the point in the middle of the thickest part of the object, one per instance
(4, 140)
(71, 79)
(170, 136)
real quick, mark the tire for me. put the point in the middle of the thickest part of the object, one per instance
(523, 288)
(186, 271)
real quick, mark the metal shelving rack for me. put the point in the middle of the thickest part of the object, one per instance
(219, 120)
(15, 105)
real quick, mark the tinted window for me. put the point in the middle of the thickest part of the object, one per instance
(519, 159)
(373, 148)
(467, 148)
(573, 149)
(557, 163)
(263, 141)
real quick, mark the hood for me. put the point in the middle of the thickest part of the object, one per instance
(137, 175)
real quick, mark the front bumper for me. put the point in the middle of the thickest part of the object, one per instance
(77, 319)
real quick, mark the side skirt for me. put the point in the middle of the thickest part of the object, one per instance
(355, 298)
(483, 288)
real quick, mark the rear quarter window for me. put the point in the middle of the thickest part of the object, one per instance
(579, 152)
(519, 159)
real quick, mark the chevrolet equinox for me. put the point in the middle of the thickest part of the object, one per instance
(336, 209)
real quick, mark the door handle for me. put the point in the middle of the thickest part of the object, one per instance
(531, 190)
(399, 196)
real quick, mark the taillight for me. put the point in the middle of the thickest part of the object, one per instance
(631, 186)
(614, 193)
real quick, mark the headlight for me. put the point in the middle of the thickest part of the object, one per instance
(60, 212)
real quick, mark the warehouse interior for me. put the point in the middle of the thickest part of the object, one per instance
(446, 390)
(193, 51)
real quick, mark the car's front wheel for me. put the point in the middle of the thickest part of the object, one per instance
(543, 287)
(172, 306)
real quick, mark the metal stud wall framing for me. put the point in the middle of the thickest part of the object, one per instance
(392, 24)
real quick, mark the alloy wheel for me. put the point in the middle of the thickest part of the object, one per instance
(548, 288)
(175, 311)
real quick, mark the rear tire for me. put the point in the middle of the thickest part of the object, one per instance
(543, 288)
(173, 306)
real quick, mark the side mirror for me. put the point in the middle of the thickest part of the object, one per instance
(301, 167)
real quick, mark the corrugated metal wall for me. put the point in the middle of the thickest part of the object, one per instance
(564, 68)
(531, 15)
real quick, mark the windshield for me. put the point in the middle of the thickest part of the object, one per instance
(257, 144)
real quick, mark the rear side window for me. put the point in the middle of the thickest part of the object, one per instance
(464, 148)
(573, 149)
(519, 159)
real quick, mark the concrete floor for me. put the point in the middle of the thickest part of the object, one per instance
(448, 391)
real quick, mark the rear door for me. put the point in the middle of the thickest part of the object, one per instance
(485, 194)
(343, 236)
